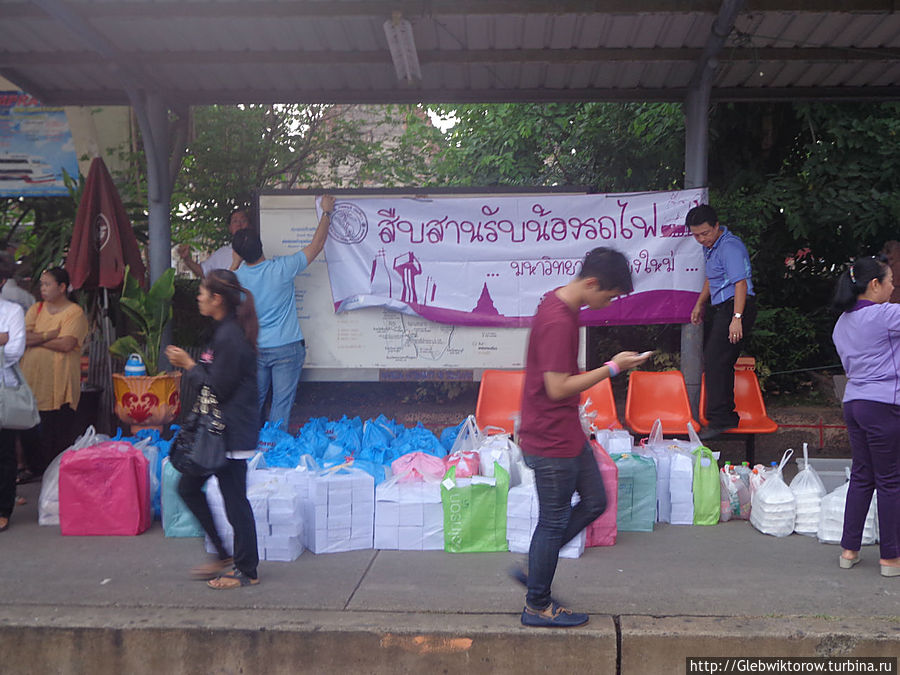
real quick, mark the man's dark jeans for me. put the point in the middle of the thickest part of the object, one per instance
(556, 480)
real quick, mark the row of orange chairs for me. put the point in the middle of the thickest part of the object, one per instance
(651, 396)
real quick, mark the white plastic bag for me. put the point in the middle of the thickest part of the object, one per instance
(774, 506)
(469, 437)
(831, 517)
(808, 490)
(48, 502)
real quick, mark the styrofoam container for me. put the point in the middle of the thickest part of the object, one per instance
(831, 470)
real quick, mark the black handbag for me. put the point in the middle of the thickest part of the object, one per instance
(199, 447)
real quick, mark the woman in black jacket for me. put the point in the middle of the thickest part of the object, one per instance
(228, 366)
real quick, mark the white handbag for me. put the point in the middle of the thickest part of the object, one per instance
(18, 407)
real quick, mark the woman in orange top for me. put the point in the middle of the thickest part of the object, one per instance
(55, 333)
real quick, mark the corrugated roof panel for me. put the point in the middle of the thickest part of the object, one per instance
(562, 32)
(43, 36)
(830, 31)
(557, 76)
(884, 32)
(533, 78)
(536, 32)
(739, 74)
(787, 74)
(656, 76)
(507, 34)
(813, 76)
(595, 30)
(580, 76)
(455, 33)
(627, 76)
(648, 30)
(622, 31)
(884, 77)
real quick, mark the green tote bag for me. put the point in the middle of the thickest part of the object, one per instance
(475, 514)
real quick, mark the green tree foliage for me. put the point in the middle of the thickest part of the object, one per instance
(601, 146)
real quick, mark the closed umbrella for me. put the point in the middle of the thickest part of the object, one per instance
(103, 243)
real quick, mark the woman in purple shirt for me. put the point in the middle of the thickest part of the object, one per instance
(867, 338)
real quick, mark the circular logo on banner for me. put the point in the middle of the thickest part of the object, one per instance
(348, 224)
(102, 225)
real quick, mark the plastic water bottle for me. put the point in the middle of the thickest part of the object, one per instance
(744, 472)
(135, 365)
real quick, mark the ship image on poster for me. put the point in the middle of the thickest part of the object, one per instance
(36, 148)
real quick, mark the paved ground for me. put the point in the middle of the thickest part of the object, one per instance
(726, 570)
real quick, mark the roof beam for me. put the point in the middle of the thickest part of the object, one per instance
(415, 8)
(454, 57)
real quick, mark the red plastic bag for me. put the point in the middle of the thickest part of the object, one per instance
(466, 462)
(104, 490)
(603, 531)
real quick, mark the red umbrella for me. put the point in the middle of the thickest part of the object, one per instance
(103, 242)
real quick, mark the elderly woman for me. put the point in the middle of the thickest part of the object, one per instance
(867, 338)
(56, 328)
(12, 340)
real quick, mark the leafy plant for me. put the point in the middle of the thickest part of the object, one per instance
(150, 312)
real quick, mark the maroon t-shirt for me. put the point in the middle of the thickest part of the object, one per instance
(551, 428)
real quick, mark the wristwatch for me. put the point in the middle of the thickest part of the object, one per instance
(737, 315)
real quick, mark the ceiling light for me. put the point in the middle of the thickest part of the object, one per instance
(399, 34)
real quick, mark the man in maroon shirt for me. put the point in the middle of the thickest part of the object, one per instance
(553, 442)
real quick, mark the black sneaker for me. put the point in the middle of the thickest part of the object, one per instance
(553, 616)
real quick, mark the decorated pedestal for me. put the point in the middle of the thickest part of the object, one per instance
(147, 401)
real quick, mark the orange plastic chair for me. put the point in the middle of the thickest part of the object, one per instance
(602, 403)
(499, 399)
(662, 396)
(748, 402)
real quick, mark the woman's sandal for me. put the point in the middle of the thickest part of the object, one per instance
(233, 579)
(210, 570)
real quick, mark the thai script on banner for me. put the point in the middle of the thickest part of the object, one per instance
(489, 260)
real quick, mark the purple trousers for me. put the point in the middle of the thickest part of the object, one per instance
(874, 430)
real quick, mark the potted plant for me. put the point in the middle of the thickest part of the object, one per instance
(150, 400)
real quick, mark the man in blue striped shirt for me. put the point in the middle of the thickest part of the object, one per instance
(728, 319)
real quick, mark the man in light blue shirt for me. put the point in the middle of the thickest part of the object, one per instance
(281, 347)
(729, 317)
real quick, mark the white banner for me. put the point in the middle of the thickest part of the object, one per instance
(487, 261)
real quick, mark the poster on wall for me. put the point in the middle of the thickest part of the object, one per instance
(35, 147)
(487, 261)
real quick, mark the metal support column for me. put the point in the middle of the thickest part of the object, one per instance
(696, 151)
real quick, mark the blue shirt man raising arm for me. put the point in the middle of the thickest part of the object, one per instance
(729, 318)
(281, 347)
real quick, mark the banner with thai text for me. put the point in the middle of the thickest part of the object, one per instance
(487, 261)
(35, 147)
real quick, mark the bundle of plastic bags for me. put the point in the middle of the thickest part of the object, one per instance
(831, 517)
(808, 491)
(774, 506)
(48, 502)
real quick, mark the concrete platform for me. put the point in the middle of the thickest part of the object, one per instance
(125, 605)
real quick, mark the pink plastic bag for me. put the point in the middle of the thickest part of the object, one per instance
(603, 531)
(418, 466)
(466, 462)
(104, 490)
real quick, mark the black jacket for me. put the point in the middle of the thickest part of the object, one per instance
(228, 365)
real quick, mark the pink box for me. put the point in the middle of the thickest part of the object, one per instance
(104, 490)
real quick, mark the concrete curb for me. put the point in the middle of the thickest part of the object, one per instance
(101, 640)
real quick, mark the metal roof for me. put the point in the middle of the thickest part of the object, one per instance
(85, 52)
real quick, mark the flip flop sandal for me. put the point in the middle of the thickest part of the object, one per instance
(233, 579)
(210, 570)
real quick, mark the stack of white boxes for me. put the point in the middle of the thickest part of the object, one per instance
(522, 518)
(340, 511)
(276, 497)
(681, 482)
(285, 538)
(409, 516)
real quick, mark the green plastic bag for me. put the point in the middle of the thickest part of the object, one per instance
(475, 515)
(707, 487)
